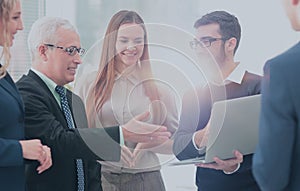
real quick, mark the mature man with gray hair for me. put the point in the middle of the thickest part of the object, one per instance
(57, 116)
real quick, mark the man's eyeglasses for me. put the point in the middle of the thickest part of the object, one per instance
(204, 42)
(70, 50)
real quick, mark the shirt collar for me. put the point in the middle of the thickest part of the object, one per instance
(236, 75)
(50, 83)
(131, 75)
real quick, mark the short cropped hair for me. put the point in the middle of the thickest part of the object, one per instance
(44, 30)
(229, 24)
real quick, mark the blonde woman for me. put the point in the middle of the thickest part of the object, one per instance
(14, 149)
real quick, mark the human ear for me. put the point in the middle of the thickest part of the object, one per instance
(42, 49)
(231, 44)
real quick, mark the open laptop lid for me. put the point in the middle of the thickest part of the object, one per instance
(233, 126)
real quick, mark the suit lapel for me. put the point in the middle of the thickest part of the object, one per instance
(44, 88)
(8, 84)
(36, 78)
(69, 97)
(58, 112)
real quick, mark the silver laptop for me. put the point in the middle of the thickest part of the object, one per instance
(233, 126)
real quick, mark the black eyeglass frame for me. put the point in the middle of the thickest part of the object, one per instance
(204, 43)
(70, 50)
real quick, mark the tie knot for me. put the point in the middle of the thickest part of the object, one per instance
(60, 90)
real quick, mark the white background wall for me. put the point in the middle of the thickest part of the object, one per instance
(265, 29)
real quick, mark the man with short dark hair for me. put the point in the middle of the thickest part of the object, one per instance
(217, 34)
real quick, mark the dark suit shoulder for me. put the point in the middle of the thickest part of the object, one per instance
(285, 66)
(24, 82)
(286, 59)
(32, 83)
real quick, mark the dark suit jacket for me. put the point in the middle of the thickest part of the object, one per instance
(196, 111)
(45, 120)
(276, 163)
(12, 175)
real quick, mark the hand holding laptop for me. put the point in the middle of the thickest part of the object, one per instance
(228, 166)
(201, 136)
(233, 132)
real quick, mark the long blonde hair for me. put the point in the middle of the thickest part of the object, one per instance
(102, 88)
(5, 9)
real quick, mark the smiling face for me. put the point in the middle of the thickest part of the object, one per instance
(14, 24)
(129, 45)
(61, 67)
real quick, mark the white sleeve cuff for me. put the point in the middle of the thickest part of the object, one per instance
(122, 142)
(237, 168)
(200, 150)
(193, 140)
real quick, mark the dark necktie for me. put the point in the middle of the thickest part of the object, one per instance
(67, 112)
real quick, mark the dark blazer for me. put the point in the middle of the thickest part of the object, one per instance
(45, 120)
(276, 163)
(196, 111)
(12, 169)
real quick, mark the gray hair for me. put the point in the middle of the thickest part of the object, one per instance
(44, 30)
